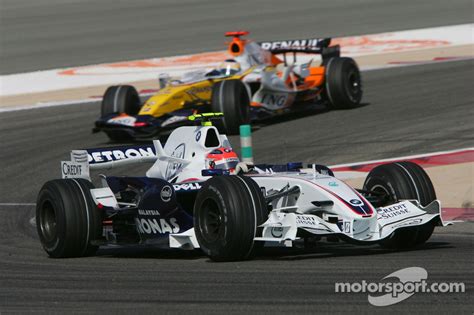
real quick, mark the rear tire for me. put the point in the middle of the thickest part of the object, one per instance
(67, 219)
(403, 180)
(227, 212)
(120, 99)
(232, 99)
(343, 83)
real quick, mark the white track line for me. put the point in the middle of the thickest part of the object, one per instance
(47, 105)
(16, 204)
(56, 104)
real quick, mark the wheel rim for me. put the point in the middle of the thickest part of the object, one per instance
(48, 222)
(354, 85)
(212, 221)
(382, 190)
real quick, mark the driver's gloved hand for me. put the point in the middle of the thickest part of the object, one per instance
(243, 168)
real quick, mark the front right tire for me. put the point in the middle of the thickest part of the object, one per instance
(67, 219)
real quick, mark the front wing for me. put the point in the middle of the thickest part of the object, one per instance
(284, 227)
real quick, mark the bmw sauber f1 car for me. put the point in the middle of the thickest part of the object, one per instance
(260, 81)
(197, 194)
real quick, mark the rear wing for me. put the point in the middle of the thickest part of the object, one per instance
(111, 157)
(318, 46)
(309, 45)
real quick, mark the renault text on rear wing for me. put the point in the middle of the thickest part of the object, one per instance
(310, 45)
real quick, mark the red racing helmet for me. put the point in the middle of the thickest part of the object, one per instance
(222, 158)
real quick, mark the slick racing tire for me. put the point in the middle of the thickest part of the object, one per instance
(227, 212)
(120, 99)
(343, 88)
(232, 99)
(399, 181)
(67, 219)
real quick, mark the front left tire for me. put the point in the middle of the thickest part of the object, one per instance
(227, 213)
(401, 181)
(120, 99)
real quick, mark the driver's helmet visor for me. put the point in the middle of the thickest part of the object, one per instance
(229, 68)
(227, 164)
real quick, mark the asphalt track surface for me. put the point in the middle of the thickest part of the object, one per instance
(408, 110)
(45, 34)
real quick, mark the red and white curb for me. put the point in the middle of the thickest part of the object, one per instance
(440, 158)
(428, 160)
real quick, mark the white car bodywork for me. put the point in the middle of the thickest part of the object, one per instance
(305, 200)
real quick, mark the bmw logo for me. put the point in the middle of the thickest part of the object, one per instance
(355, 202)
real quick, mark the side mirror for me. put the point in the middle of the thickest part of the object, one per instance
(163, 79)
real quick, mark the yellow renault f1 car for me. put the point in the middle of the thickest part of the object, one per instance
(256, 83)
